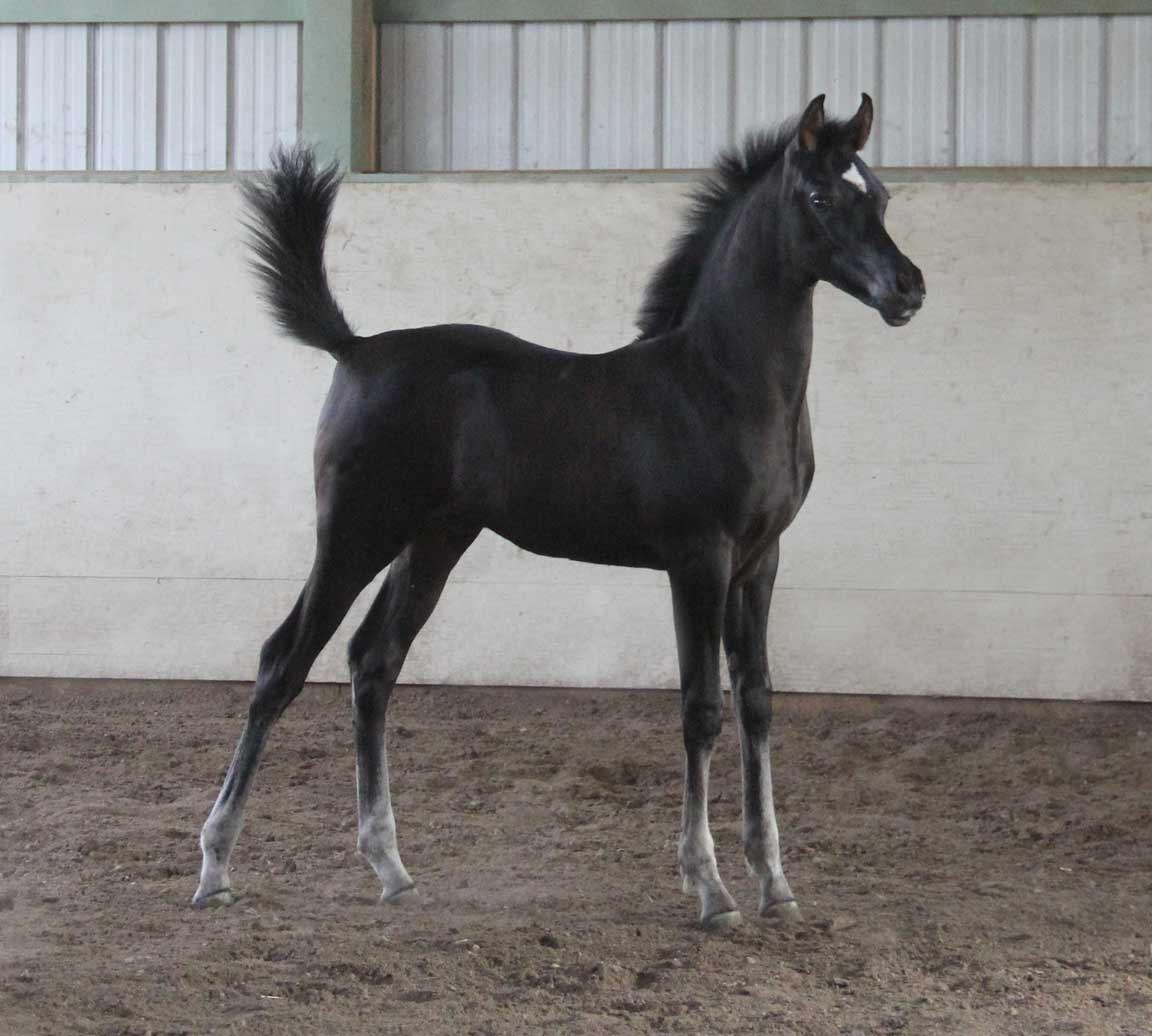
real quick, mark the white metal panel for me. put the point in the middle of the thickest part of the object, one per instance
(414, 117)
(56, 97)
(914, 109)
(634, 95)
(482, 97)
(697, 92)
(390, 97)
(843, 64)
(266, 92)
(993, 62)
(624, 90)
(1129, 102)
(1065, 109)
(195, 116)
(769, 74)
(9, 95)
(126, 96)
(552, 96)
(427, 78)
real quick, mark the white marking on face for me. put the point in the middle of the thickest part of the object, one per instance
(853, 176)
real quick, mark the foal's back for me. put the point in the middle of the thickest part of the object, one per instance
(572, 455)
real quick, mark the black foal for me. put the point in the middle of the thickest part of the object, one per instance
(688, 450)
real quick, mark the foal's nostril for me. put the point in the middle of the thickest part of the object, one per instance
(910, 285)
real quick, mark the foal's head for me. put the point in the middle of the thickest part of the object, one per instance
(837, 208)
(805, 181)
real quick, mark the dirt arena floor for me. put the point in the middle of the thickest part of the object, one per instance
(964, 867)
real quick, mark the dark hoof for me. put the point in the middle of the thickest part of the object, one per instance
(722, 922)
(784, 913)
(397, 897)
(219, 898)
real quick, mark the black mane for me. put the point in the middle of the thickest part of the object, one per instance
(737, 171)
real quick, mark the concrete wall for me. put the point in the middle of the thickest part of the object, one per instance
(981, 520)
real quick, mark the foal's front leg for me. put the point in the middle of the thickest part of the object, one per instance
(745, 639)
(699, 591)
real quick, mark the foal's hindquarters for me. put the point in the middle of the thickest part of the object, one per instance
(377, 486)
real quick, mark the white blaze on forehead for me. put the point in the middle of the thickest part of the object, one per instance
(855, 178)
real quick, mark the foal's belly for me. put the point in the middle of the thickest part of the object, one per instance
(579, 535)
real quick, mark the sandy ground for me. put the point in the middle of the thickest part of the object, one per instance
(965, 867)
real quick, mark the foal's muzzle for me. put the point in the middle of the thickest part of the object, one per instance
(902, 303)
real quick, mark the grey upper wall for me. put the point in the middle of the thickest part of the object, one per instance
(1014, 91)
(146, 97)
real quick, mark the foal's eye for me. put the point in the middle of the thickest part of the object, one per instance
(820, 201)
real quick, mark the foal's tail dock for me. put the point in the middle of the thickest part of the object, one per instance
(288, 212)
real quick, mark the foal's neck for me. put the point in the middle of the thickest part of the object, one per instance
(752, 314)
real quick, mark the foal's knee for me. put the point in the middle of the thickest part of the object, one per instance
(703, 720)
(756, 711)
(374, 671)
(271, 693)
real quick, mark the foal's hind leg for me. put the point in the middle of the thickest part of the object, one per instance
(376, 656)
(284, 663)
(699, 592)
(745, 639)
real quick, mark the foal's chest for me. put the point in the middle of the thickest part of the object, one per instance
(783, 481)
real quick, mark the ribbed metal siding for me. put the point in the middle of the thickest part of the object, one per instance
(126, 84)
(9, 95)
(483, 110)
(266, 105)
(1066, 92)
(914, 113)
(624, 90)
(552, 97)
(770, 77)
(697, 86)
(1128, 127)
(144, 97)
(414, 88)
(844, 60)
(991, 92)
(949, 91)
(195, 91)
(56, 97)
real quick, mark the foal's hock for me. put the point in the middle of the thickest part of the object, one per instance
(688, 450)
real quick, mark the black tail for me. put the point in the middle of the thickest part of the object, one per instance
(288, 220)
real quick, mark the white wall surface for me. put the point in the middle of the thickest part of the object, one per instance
(981, 520)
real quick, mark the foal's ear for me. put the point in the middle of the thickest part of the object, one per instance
(861, 125)
(810, 123)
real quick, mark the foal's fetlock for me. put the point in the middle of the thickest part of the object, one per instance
(692, 871)
(395, 881)
(215, 887)
(214, 890)
(717, 907)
